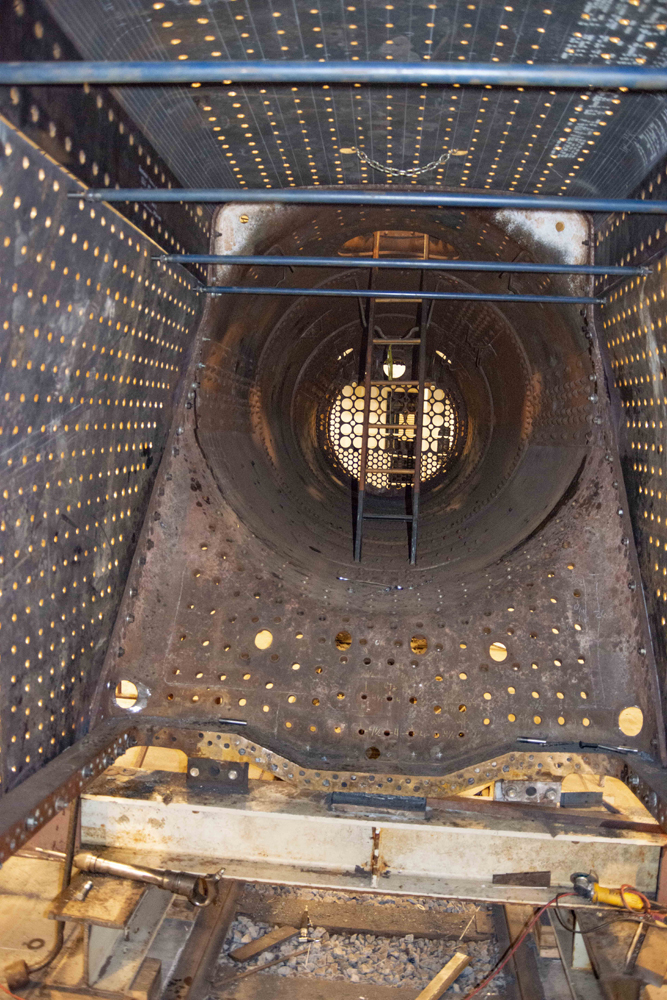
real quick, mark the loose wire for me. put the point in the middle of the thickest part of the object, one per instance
(9, 992)
(649, 917)
(526, 931)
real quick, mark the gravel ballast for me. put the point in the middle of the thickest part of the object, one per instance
(367, 958)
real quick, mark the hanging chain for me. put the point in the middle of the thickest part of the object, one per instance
(411, 171)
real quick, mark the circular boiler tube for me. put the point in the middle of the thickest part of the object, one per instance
(516, 374)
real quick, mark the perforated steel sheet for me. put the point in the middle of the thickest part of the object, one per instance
(89, 133)
(92, 350)
(633, 326)
(525, 141)
(417, 690)
(217, 626)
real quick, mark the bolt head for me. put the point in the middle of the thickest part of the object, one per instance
(194, 771)
(232, 775)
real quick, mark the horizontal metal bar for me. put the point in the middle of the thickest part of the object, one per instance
(388, 517)
(381, 340)
(435, 199)
(394, 381)
(336, 71)
(394, 472)
(415, 264)
(392, 427)
(368, 293)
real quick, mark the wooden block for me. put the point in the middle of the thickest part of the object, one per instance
(546, 940)
(654, 993)
(148, 980)
(608, 948)
(109, 903)
(651, 964)
(261, 944)
(445, 977)
(17, 975)
(517, 916)
(484, 923)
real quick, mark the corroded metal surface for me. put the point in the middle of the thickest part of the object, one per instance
(419, 671)
(58, 782)
(93, 347)
(341, 709)
(388, 669)
(233, 746)
(633, 332)
(87, 131)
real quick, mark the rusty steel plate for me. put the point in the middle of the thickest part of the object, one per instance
(633, 332)
(92, 350)
(415, 691)
(244, 603)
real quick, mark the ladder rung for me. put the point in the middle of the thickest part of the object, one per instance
(381, 340)
(389, 427)
(394, 382)
(388, 517)
(393, 472)
(398, 300)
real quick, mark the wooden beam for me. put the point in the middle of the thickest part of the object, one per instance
(527, 984)
(256, 947)
(395, 919)
(607, 947)
(517, 916)
(654, 993)
(193, 977)
(651, 964)
(444, 979)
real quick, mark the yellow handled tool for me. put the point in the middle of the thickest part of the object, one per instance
(624, 897)
(627, 899)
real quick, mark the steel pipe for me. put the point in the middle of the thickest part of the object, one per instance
(340, 71)
(365, 293)
(434, 199)
(200, 890)
(411, 263)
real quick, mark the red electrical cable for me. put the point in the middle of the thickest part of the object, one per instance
(528, 928)
(9, 992)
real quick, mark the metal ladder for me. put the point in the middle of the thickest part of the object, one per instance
(423, 318)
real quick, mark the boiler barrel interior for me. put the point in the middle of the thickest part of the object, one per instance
(506, 409)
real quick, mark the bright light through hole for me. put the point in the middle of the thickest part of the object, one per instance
(393, 371)
(393, 446)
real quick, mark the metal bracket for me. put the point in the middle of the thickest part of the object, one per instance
(542, 793)
(207, 775)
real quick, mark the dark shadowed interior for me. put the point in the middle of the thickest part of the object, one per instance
(518, 375)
